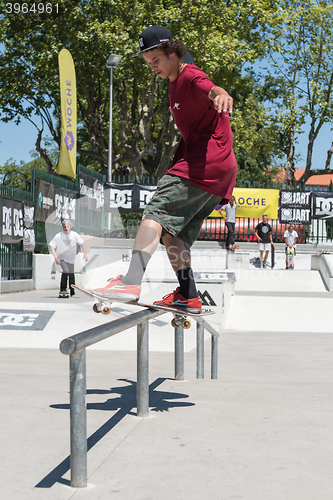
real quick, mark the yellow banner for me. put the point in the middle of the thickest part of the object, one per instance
(67, 158)
(255, 203)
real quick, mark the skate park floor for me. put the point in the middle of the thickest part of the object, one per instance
(261, 431)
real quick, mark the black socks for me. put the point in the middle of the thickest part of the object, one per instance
(137, 268)
(187, 284)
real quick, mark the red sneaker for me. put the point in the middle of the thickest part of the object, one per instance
(176, 300)
(117, 290)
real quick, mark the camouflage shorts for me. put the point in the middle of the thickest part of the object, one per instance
(180, 207)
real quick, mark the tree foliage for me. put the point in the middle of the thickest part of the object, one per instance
(222, 36)
(301, 48)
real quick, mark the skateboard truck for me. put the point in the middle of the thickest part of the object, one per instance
(180, 320)
(101, 307)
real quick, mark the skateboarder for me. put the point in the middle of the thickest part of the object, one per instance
(290, 238)
(63, 249)
(202, 174)
(264, 231)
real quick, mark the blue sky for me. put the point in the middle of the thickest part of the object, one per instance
(18, 140)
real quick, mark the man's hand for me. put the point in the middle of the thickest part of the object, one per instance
(221, 99)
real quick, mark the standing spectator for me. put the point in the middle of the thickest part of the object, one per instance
(264, 235)
(230, 219)
(63, 249)
(290, 238)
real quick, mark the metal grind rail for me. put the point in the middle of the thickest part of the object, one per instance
(75, 347)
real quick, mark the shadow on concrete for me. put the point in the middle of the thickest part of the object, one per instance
(158, 402)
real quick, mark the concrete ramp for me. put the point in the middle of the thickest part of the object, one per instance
(270, 301)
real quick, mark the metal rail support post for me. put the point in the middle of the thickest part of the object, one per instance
(78, 419)
(200, 351)
(179, 353)
(214, 358)
(142, 386)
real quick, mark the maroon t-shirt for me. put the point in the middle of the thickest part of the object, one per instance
(204, 155)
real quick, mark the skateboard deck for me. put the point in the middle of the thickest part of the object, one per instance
(272, 256)
(290, 253)
(179, 316)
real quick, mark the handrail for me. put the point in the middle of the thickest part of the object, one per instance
(75, 347)
(84, 339)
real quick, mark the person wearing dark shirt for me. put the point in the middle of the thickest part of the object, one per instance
(264, 235)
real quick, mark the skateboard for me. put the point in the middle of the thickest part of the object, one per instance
(63, 295)
(272, 256)
(179, 317)
(290, 254)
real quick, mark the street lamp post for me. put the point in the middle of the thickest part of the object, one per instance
(111, 63)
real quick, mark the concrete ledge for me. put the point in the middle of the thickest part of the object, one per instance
(10, 286)
(324, 264)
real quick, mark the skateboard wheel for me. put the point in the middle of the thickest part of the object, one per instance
(175, 323)
(96, 308)
(186, 324)
(105, 309)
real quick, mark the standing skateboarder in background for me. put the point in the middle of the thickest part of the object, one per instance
(264, 235)
(63, 249)
(290, 238)
(230, 221)
(202, 174)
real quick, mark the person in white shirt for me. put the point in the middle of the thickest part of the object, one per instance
(290, 238)
(63, 249)
(230, 219)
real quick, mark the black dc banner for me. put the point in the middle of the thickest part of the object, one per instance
(28, 216)
(45, 200)
(322, 205)
(65, 206)
(54, 204)
(123, 198)
(11, 221)
(295, 207)
(91, 193)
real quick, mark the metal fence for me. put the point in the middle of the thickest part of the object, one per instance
(15, 264)
(214, 229)
(295, 186)
(320, 231)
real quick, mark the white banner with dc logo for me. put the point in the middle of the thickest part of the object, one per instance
(125, 198)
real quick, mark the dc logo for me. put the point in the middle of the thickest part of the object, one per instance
(324, 206)
(22, 320)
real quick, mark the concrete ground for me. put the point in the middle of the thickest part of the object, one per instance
(261, 431)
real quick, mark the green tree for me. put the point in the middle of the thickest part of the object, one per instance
(221, 36)
(18, 175)
(302, 52)
(256, 135)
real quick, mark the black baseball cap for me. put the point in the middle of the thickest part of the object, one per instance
(153, 37)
